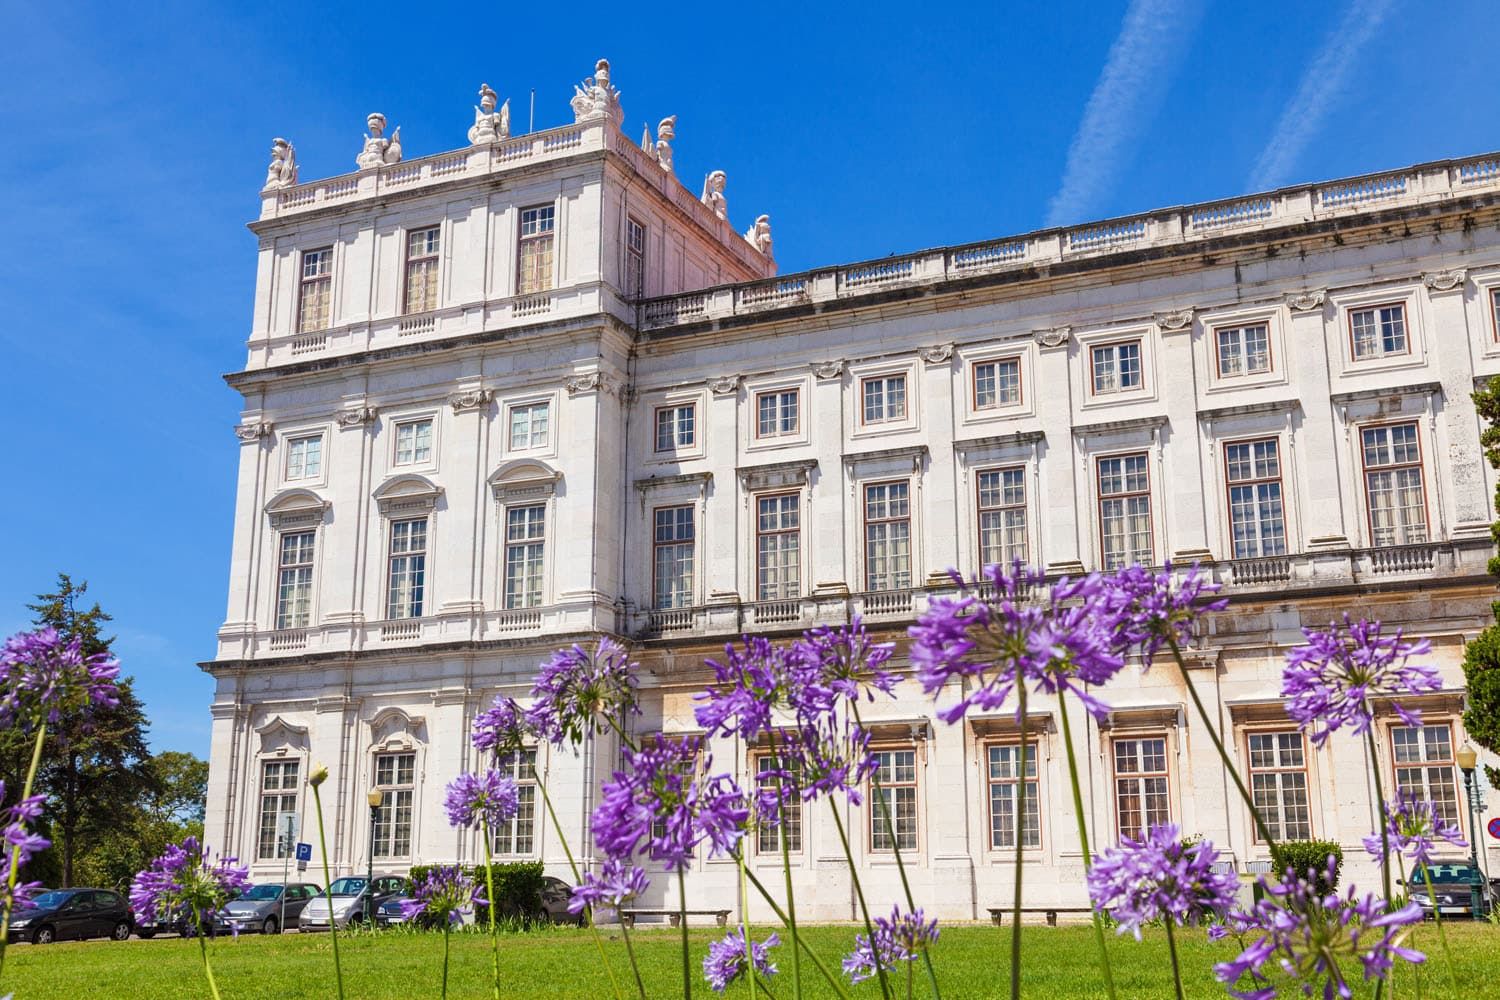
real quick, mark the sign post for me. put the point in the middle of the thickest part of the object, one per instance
(286, 835)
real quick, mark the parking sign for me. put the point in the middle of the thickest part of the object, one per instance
(304, 853)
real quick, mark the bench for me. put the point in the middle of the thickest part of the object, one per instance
(999, 913)
(721, 917)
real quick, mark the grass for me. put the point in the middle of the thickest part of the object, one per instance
(971, 961)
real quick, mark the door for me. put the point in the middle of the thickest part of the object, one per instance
(76, 918)
(297, 897)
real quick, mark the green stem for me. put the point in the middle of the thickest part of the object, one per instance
(15, 852)
(687, 969)
(1213, 734)
(213, 987)
(786, 870)
(859, 892)
(630, 953)
(1172, 950)
(489, 885)
(745, 926)
(781, 915)
(1015, 918)
(1083, 839)
(1442, 934)
(333, 926)
(445, 959)
(1385, 833)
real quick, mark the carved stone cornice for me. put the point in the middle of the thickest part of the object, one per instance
(826, 370)
(589, 382)
(935, 355)
(355, 416)
(724, 385)
(476, 398)
(1306, 301)
(252, 431)
(776, 475)
(1176, 321)
(1445, 281)
(1052, 336)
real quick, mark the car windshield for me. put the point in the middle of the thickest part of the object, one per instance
(1440, 873)
(347, 887)
(47, 900)
(262, 892)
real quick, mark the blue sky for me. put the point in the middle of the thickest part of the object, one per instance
(136, 137)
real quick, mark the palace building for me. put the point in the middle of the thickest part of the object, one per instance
(535, 391)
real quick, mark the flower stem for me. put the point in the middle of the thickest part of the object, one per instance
(1172, 950)
(859, 892)
(1385, 833)
(781, 915)
(1015, 917)
(786, 871)
(15, 851)
(629, 951)
(213, 987)
(1213, 734)
(489, 885)
(445, 959)
(333, 925)
(687, 971)
(745, 925)
(1437, 918)
(1083, 838)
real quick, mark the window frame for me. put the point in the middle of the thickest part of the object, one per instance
(524, 242)
(527, 781)
(766, 757)
(432, 257)
(285, 619)
(875, 812)
(635, 257)
(1230, 484)
(864, 532)
(1033, 761)
(1145, 454)
(677, 446)
(794, 532)
(289, 444)
(1138, 777)
(524, 544)
(1280, 828)
(1494, 296)
(1240, 327)
(1375, 307)
(390, 807)
(1425, 765)
(420, 603)
(304, 282)
(1139, 343)
(414, 462)
(1364, 474)
(778, 432)
(530, 405)
(980, 510)
(887, 419)
(281, 794)
(691, 544)
(1000, 403)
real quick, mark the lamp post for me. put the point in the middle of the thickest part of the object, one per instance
(375, 797)
(1467, 759)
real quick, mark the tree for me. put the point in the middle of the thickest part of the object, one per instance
(1482, 655)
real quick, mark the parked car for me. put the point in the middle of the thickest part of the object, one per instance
(267, 908)
(64, 914)
(390, 914)
(553, 901)
(1450, 884)
(352, 899)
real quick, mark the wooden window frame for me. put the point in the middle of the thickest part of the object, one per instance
(915, 784)
(1240, 328)
(887, 417)
(524, 544)
(1099, 461)
(635, 257)
(866, 522)
(1033, 760)
(415, 606)
(1354, 354)
(1366, 469)
(778, 397)
(1114, 345)
(432, 256)
(657, 544)
(324, 278)
(677, 443)
(1000, 402)
(1115, 777)
(764, 757)
(1451, 763)
(1231, 483)
(981, 509)
(386, 811)
(1280, 828)
(794, 532)
(524, 240)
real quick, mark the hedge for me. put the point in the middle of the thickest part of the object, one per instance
(1302, 856)
(518, 884)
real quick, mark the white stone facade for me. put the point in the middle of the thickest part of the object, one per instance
(1086, 394)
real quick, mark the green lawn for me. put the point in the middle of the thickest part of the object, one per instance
(972, 962)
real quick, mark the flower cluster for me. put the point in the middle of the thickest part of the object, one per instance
(183, 877)
(1160, 877)
(1333, 680)
(18, 820)
(1413, 828)
(44, 677)
(1317, 940)
(1151, 610)
(617, 883)
(898, 938)
(577, 692)
(501, 729)
(440, 897)
(725, 962)
(665, 803)
(481, 801)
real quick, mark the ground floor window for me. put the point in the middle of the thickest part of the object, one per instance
(895, 782)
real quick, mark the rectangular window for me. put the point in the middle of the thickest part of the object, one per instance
(1253, 475)
(888, 536)
(304, 457)
(778, 556)
(997, 383)
(408, 568)
(315, 296)
(768, 836)
(517, 835)
(1141, 785)
(1125, 511)
(1393, 484)
(673, 557)
(1002, 516)
(525, 540)
(535, 250)
(294, 580)
(422, 247)
(278, 796)
(1278, 782)
(1005, 797)
(884, 399)
(635, 258)
(1378, 332)
(1117, 367)
(777, 413)
(896, 780)
(676, 426)
(1424, 766)
(395, 775)
(414, 442)
(1495, 311)
(1243, 350)
(530, 425)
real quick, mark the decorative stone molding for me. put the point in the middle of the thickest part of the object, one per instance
(476, 398)
(1413, 389)
(524, 479)
(1175, 322)
(1055, 336)
(1445, 281)
(279, 736)
(406, 494)
(1007, 724)
(699, 479)
(253, 431)
(355, 416)
(895, 457)
(1144, 717)
(296, 508)
(1121, 426)
(1250, 409)
(588, 382)
(724, 385)
(1020, 439)
(778, 475)
(1306, 301)
(826, 370)
(935, 355)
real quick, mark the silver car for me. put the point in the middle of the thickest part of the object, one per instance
(352, 901)
(267, 909)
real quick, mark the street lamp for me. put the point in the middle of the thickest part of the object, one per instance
(375, 797)
(1467, 759)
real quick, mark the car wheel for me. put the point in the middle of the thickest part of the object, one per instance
(121, 932)
(43, 935)
(269, 927)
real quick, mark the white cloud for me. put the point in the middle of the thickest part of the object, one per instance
(1134, 77)
(1321, 85)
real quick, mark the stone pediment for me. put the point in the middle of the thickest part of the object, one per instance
(407, 493)
(524, 479)
(296, 508)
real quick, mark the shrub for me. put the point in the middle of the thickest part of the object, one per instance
(518, 885)
(1303, 855)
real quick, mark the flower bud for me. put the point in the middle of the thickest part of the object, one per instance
(318, 776)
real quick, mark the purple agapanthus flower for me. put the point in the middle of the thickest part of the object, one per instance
(481, 801)
(725, 962)
(898, 938)
(1160, 877)
(617, 883)
(44, 677)
(501, 729)
(1413, 828)
(750, 682)
(825, 754)
(664, 802)
(844, 662)
(1060, 640)
(1334, 680)
(440, 897)
(18, 820)
(1149, 610)
(1315, 940)
(578, 691)
(184, 877)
